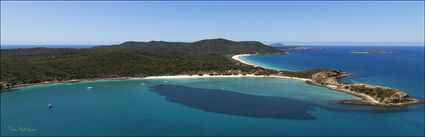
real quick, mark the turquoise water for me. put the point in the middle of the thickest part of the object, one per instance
(202, 106)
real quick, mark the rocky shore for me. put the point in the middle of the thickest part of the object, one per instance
(369, 94)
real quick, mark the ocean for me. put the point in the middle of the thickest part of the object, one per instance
(402, 70)
(227, 106)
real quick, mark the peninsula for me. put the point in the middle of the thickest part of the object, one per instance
(160, 59)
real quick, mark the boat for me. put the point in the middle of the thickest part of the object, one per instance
(50, 105)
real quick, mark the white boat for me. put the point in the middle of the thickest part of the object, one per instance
(89, 87)
(50, 105)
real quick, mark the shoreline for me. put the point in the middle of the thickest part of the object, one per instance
(156, 77)
(226, 76)
(238, 58)
(67, 81)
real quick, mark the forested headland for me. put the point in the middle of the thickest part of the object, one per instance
(129, 59)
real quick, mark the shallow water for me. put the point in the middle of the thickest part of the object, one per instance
(127, 108)
(213, 106)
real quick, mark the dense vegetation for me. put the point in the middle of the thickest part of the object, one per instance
(129, 59)
(376, 92)
(309, 73)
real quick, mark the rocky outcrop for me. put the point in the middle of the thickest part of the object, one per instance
(397, 97)
(4, 85)
(384, 95)
(326, 77)
(370, 94)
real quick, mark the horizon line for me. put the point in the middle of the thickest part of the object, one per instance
(264, 42)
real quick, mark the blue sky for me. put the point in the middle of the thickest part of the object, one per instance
(104, 22)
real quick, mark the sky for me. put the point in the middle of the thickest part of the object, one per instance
(113, 22)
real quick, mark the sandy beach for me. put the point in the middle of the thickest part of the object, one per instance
(238, 58)
(164, 77)
(224, 76)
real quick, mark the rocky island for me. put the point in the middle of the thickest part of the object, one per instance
(282, 47)
(158, 59)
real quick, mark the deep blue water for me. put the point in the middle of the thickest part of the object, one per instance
(226, 106)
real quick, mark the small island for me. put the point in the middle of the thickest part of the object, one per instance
(295, 48)
(372, 52)
(282, 47)
(160, 59)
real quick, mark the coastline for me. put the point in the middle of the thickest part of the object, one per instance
(238, 58)
(67, 81)
(226, 76)
(364, 99)
(157, 77)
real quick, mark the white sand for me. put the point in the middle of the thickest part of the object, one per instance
(238, 58)
(224, 76)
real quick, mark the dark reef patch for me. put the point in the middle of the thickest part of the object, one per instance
(234, 103)
(230, 102)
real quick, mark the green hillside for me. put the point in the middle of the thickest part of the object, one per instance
(129, 59)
